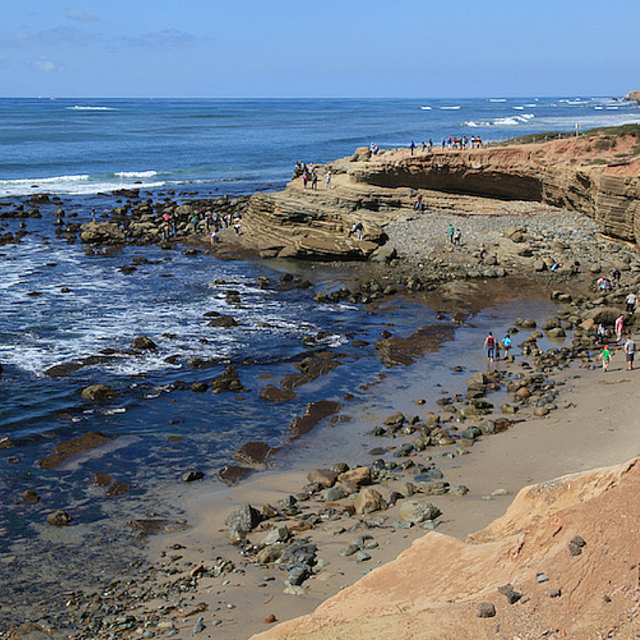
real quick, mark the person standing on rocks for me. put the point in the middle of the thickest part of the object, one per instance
(412, 146)
(632, 301)
(630, 351)
(457, 237)
(452, 231)
(490, 346)
(605, 356)
(328, 179)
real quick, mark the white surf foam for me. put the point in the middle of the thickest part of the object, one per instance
(497, 99)
(136, 174)
(425, 108)
(79, 107)
(450, 108)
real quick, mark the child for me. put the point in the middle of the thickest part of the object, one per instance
(605, 356)
(506, 344)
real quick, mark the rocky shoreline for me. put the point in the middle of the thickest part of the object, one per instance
(348, 511)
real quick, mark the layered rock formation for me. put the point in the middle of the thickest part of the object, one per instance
(562, 562)
(594, 175)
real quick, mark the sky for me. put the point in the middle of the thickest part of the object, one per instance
(332, 48)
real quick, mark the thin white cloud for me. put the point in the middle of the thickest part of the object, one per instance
(81, 16)
(165, 39)
(46, 65)
(62, 34)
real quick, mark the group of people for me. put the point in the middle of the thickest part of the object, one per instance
(493, 345)
(357, 230)
(310, 175)
(455, 236)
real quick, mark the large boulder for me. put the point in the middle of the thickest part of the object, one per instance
(102, 233)
(368, 501)
(418, 511)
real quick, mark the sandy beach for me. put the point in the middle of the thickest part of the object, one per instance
(595, 424)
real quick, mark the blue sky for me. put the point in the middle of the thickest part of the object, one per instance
(346, 48)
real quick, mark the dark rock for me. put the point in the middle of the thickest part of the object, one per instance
(65, 450)
(273, 394)
(142, 343)
(30, 497)
(98, 392)
(59, 518)
(6, 443)
(510, 593)
(147, 527)
(244, 519)
(102, 479)
(576, 545)
(324, 477)
(232, 473)
(314, 413)
(486, 610)
(227, 381)
(223, 321)
(192, 476)
(253, 454)
(118, 488)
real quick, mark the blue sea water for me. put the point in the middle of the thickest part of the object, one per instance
(59, 304)
(69, 146)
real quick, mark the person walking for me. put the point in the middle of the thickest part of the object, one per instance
(506, 345)
(490, 346)
(605, 356)
(328, 179)
(632, 301)
(630, 351)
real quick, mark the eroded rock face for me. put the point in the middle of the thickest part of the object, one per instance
(593, 175)
(445, 588)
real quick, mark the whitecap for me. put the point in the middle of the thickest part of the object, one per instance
(497, 99)
(450, 108)
(136, 174)
(426, 108)
(519, 108)
(88, 108)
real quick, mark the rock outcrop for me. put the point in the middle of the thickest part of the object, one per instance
(597, 175)
(633, 96)
(562, 562)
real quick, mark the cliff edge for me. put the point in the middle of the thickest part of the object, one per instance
(596, 175)
(561, 563)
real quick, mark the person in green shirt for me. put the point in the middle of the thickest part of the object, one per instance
(605, 356)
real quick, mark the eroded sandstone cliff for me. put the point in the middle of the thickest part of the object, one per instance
(594, 175)
(562, 562)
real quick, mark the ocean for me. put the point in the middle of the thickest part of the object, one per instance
(59, 304)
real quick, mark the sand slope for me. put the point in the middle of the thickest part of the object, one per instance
(432, 590)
